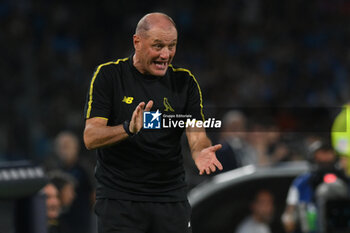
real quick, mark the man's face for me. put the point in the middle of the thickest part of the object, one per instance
(263, 207)
(325, 158)
(155, 50)
(67, 149)
(53, 204)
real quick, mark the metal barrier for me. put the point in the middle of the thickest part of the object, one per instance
(22, 207)
(219, 204)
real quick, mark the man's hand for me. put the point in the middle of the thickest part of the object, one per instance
(136, 122)
(206, 160)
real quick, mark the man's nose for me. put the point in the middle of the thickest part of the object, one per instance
(164, 54)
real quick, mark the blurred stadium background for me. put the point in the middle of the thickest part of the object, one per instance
(245, 54)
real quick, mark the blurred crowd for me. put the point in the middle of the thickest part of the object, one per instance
(245, 53)
(70, 191)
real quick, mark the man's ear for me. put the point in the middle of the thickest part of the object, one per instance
(137, 42)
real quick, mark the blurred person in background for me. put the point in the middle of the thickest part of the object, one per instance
(262, 211)
(53, 208)
(261, 137)
(65, 184)
(236, 151)
(269, 145)
(260, 144)
(278, 151)
(340, 136)
(300, 214)
(67, 148)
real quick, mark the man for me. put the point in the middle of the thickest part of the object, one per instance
(65, 184)
(236, 151)
(262, 212)
(139, 172)
(67, 159)
(53, 207)
(301, 213)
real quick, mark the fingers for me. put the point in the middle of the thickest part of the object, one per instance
(136, 122)
(137, 110)
(141, 105)
(207, 170)
(218, 164)
(149, 106)
(215, 147)
(210, 167)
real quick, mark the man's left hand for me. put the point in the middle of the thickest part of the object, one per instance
(206, 160)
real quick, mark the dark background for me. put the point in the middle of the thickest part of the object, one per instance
(244, 53)
(252, 55)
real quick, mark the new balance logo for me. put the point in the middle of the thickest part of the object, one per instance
(128, 100)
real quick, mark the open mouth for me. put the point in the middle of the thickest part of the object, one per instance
(160, 65)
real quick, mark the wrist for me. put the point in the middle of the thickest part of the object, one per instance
(195, 155)
(126, 126)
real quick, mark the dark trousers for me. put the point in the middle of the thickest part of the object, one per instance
(114, 216)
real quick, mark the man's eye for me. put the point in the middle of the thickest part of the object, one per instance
(158, 46)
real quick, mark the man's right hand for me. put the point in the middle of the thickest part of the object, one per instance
(98, 134)
(136, 122)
